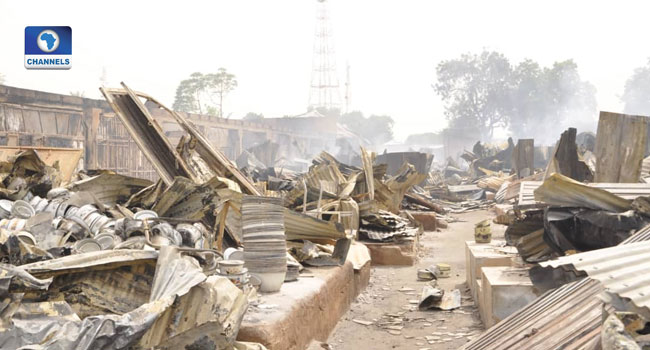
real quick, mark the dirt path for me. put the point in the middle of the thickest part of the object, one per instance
(388, 301)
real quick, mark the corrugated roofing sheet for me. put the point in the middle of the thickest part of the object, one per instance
(623, 269)
(526, 192)
(566, 318)
(628, 191)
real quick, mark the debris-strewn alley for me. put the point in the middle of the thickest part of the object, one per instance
(149, 216)
(386, 314)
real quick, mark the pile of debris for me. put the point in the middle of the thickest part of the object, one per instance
(91, 265)
(581, 227)
(106, 261)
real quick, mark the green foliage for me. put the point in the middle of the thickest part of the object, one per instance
(486, 92)
(377, 129)
(636, 95)
(475, 90)
(204, 93)
(550, 98)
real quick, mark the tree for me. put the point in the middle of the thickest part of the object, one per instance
(636, 95)
(377, 129)
(253, 116)
(355, 121)
(484, 92)
(475, 91)
(78, 93)
(204, 93)
(189, 94)
(546, 101)
(222, 83)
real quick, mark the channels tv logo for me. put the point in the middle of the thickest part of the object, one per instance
(48, 47)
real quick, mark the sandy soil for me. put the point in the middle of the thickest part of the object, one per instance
(390, 301)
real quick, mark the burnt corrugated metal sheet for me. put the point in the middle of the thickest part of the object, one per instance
(102, 260)
(301, 226)
(568, 317)
(622, 270)
(641, 235)
(532, 247)
(526, 192)
(628, 191)
(421, 161)
(200, 161)
(147, 134)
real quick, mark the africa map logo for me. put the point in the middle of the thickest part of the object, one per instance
(48, 40)
(48, 47)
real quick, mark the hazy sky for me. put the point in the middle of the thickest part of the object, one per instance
(391, 46)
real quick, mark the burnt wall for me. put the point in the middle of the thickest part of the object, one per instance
(37, 118)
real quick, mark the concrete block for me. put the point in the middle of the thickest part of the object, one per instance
(304, 310)
(478, 255)
(504, 290)
(426, 218)
(478, 300)
(476, 291)
(403, 254)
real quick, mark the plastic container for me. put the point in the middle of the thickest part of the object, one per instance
(445, 270)
(483, 232)
(228, 267)
(270, 281)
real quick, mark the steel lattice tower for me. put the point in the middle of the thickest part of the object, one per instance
(324, 91)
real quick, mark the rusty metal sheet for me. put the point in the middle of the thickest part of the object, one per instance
(568, 317)
(395, 161)
(110, 188)
(51, 328)
(627, 191)
(48, 122)
(175, 274)
(152, 141)
(174, 320)
(391, 192)
(212, 323)
(532, 247)
(367, 159)
(622, 270)
(101, 260)
(16, 278)
(302, 226)
(92, 293)
(68, 158)
(147, 134)
(13, 119)
(385, 226)
(215, 159)
(32, 121)
(564, 191)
